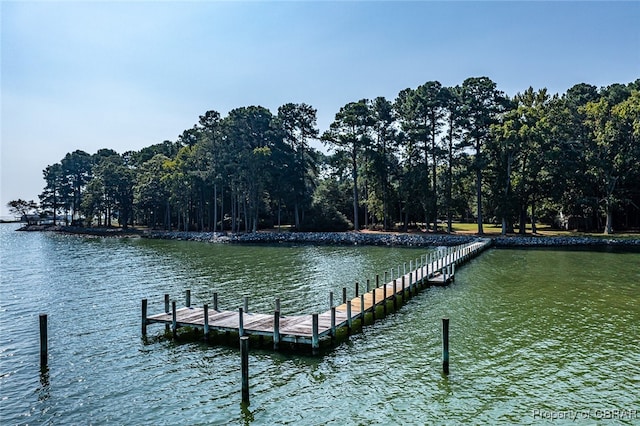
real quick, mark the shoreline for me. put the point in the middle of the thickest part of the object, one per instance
(344, 238)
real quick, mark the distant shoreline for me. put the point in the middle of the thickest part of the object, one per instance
(344, 238)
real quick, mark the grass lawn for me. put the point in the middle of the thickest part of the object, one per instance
(542, 230)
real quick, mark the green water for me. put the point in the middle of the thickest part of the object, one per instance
(534, 334)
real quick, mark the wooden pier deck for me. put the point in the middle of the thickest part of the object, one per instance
(432, 269)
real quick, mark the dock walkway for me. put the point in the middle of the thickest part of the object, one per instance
(431, 269)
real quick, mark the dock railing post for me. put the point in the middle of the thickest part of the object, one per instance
(344, 295)
(377, 280)
(44, 348)
(395, 296)
(445, 345)
(404, 293)
(167, 307)
(384, 299)
(330, 299)
(349, 317)
(367, 285)
(357, 289)
(187, 297)
(276, 329)
(373, 305)
(277, 304)
(215, 301)
(362, 311)
(174, 319)
(245, 303)
(333, 321)
(144, 317)
(206, 322)
(244, 365)
(315, 340)
(240, 322)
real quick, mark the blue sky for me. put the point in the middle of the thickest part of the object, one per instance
(125, 75)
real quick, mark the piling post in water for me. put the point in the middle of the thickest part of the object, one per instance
(404, 294)
(144, 318)
(395, 296)
(367, 285)
(215, 301)
(357, 289)
(245, 303)
(377, 280)
(206, 322)
(349, 317)
(344, 295)
(384, 299)
(44, 347)
(244, 366)
(240, 322)
(167, 307)
(385, 277)
(330, 299)
(333, 321)
(445, 345)
(174, 319)
(276, 329)
(315, 340)
(373, 305)
(187, 296)
(277, 304)
(362, 311)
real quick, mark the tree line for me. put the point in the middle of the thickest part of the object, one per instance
(433, 155)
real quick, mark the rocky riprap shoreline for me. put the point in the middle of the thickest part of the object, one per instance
(410, 240)
(324, 238)
(345, 238)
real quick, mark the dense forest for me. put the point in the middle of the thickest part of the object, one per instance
(433, 155)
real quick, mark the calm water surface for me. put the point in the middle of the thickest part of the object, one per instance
(534, 333)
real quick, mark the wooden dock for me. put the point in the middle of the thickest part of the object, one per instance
(431, 269)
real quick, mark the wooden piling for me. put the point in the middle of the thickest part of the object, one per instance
(277, 304)
(215, 302)
(373, 304)
(349, 320)
(276, 329)
(206, 322)
(44, 347)
(244, 366)
(357, 289)
(344, 295)
(144, 317)
(330, 299)
(362, 311)
(333, 321)
(167, 307)
(240, 322)
(367, 286)
(404, 293)
(377, 280)
(315, 340)
(395, 296)
(245, 303)
(187, 297)
(445, 345)
(384, 299)
(174, 319)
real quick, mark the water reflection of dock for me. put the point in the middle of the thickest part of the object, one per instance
(370, 301)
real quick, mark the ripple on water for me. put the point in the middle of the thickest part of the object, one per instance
(529, 329)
